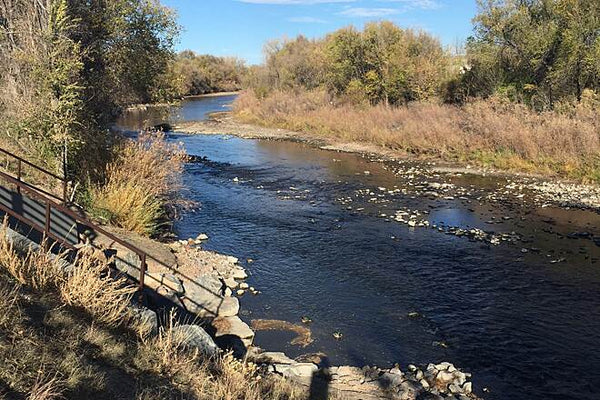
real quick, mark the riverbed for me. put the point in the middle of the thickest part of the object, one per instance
(409, 265)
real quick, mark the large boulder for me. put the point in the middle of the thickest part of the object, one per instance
(169, 281)
(301, 372)
(193, 336)
(233, 327)
(203, 297)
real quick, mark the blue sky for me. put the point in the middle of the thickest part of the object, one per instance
(241, 27)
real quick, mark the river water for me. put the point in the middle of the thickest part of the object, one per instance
(522, 316)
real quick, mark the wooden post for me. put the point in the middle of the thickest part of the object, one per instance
(47, 226)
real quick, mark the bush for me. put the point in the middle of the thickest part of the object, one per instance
(141, 186)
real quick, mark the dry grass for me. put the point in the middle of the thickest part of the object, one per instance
(90, 286)
(491, 133)
(141, 184)
(72, 339)
(46, 388)
(38, 270)
(223, 378)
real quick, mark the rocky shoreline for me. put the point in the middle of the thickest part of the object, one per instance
(209, 285)
(545, 190)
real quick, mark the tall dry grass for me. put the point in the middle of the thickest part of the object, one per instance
(38, 270)
(224, 377)
(90, 286)
(489, 132)
(141, 184)
(87, 285)
(54, 351)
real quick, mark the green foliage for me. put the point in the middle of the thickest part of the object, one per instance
(383, 63)
(67, 67)
(540, 51)
(201, 74)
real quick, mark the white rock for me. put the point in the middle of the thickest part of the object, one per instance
(468, 387)
(239, 273)
(232, 259)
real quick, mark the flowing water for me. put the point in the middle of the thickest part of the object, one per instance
(522, 316)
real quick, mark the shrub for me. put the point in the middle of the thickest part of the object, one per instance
(141, 185)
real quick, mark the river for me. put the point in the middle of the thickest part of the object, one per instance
(317, 231)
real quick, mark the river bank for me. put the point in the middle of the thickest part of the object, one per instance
(408, 261)
(209, 285)
(562, 192)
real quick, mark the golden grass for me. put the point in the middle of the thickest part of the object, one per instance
(491, 132)
(141, 184)
(32, 268)
(90, 286)
(46, 388)
(76, 341)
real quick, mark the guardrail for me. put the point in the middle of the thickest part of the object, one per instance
(20, 161)
(46, 229)
(57, 210)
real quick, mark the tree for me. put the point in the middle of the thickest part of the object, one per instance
(68, 66)
(543, 50)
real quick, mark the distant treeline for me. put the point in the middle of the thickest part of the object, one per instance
(523, 93)
(202, 73)
(532, 51)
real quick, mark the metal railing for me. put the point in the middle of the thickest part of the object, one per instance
(19, 176)
(46, 230)
(49, 204)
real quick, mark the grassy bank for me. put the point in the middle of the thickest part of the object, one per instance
(140, 191)
(70, 336)
(486, 132)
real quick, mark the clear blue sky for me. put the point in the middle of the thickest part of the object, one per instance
(241, 27)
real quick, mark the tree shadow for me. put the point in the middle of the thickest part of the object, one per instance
(103, 364)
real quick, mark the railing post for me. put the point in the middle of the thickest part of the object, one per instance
(47, 225)
(142, 271)
(65, 198)
(142, 276)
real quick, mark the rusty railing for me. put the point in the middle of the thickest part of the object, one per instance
(46, 197)
(19, 176)
(61, 206)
